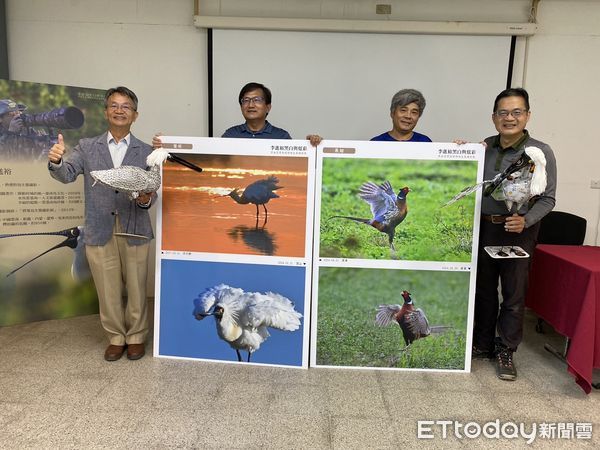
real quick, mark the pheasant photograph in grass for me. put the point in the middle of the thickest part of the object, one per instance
(413, 321)
(243, 318)
(358, 323)
(387, 208)
(364, 209)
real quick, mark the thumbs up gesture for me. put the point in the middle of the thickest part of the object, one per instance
(56, 152)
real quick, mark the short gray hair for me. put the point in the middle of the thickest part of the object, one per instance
(123, 91)
(406, 96)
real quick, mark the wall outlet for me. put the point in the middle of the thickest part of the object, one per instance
(595, 184)
(383, 9)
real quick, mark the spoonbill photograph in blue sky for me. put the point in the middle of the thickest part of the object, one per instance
(232, 312)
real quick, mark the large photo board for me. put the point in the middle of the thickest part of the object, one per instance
(234, 251)
(394, 270)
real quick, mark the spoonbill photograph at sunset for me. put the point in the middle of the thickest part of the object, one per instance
(239, 204)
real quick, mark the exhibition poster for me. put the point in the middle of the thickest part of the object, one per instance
(43, 269)
(394, 269)
(234, 251)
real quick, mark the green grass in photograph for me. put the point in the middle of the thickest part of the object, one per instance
(428, 233)
(347, 304)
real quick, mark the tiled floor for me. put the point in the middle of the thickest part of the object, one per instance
(56, 391)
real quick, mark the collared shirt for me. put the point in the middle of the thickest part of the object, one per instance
(497, 159)
(268, 132)
(117, 149)
(416, 137)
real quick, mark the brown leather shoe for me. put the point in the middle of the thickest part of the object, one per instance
(114, 352)
(135, 351)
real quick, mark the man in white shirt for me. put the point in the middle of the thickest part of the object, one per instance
(118, 264)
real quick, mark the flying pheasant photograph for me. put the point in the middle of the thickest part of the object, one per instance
(267, 194)
(389, 209)
(369, 318)
(412, 320)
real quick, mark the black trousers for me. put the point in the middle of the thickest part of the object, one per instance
(513, 274)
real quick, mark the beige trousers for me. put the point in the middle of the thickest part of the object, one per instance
(119, 268)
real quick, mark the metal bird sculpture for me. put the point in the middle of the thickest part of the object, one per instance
(135, 180)
(519, 182)
(521, 185)
(257, 193)
(387, 208)
(74, 240)
(243, 318)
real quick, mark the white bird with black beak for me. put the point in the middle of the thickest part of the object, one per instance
(519, 182)
(135, 180)
(521, 185)
(243, 318)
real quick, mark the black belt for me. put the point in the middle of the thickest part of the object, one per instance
(495, 218)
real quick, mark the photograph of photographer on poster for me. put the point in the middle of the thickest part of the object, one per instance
(42, 272)
(32, 115)
(23, 136)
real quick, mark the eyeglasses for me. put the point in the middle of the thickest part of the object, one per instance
(125, 107)
(255, 100)
(516, 113)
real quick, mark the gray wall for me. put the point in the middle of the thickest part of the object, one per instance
(3, 43)
(339, 85)
(153, 46)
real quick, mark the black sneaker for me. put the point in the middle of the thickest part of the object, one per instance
(477, 353)
(505, 366)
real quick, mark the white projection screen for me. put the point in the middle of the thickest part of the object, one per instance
(339, 85)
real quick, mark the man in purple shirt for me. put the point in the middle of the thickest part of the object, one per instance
(406, 109)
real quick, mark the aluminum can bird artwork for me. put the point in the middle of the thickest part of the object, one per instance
(73, 239)
(517, 184)
(525, 183)
(135, 180)
(130, 179)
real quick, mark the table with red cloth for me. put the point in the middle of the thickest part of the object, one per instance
(564, 290)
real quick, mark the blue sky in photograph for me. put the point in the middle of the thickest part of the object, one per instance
(182, 335)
